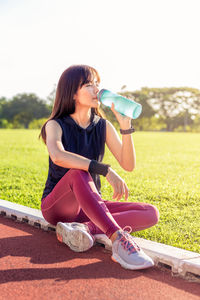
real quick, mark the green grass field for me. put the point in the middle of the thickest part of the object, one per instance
(167, 175)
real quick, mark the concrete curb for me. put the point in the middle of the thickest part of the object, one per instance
(182, 263)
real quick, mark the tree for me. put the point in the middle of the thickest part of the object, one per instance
(52, 96)
(169, 103)
(23, 108)
(173, 105)
(2, 103)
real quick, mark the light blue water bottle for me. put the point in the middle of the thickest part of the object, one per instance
(123, 105)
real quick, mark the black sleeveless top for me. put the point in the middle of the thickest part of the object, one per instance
(88, 142)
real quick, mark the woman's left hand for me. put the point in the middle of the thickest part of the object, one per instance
(124, 121)
(119, 186)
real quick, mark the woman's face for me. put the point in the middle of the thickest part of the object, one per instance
(87, 95)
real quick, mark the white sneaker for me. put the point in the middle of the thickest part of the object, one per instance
(75, 235)
(128, 254)
(102, 238)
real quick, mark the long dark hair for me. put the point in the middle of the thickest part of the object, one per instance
(71, 79)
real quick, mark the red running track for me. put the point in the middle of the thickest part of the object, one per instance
(34, 265)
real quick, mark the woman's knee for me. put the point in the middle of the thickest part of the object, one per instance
(77, 173)
(154, 214)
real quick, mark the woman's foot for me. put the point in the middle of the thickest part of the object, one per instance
(128, 254)
(75, 235)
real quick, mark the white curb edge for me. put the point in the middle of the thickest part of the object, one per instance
(183, 263)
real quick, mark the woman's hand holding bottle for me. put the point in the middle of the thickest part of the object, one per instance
(119, 186)
(124, 121)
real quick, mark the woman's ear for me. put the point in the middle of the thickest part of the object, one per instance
(75, 97)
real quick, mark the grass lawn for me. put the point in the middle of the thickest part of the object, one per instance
(167, 175)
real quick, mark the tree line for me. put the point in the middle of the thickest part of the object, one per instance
(163, 109)
(23, 111)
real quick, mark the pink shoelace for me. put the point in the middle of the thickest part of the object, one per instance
(127, 241)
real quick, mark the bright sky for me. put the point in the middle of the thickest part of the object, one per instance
(153, 43)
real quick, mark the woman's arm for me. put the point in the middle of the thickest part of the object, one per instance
(58, 154)
(124, 150)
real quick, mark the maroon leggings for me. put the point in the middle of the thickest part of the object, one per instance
(76, 199)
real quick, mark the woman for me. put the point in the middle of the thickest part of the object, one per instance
(75, 136)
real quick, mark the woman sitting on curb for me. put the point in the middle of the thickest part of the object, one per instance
(75, 136)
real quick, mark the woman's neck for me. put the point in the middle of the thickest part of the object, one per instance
(82, 118)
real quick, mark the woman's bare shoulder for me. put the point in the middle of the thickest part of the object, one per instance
(52, 124)
(53, 127)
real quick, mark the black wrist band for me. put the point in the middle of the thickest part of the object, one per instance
(128, 131)
(98, 168)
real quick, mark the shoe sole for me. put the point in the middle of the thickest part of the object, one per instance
(76, 239)
(146, 265)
